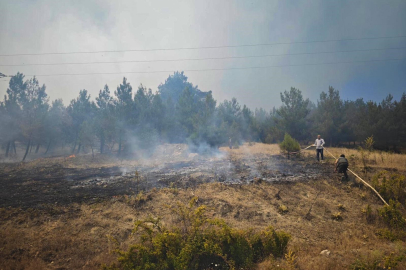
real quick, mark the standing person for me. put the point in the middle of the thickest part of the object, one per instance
(342, 165)
(319, 147)
(230, 143)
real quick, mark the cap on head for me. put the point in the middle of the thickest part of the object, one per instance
(342, 155)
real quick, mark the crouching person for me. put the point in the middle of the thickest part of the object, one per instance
(342, 165)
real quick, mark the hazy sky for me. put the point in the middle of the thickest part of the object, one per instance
(72, 26)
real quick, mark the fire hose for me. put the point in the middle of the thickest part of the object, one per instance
(356, 175)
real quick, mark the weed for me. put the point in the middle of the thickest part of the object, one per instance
(283, 209)
(369, 215)
(337, 216)
(291, 259)
(341, 207)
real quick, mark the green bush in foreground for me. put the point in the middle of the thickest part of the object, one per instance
(198, 243)
(289, 144)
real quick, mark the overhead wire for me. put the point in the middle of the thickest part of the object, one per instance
(203, 47)
(196, 59)
(214, 69)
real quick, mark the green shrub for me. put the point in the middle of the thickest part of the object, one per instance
(391, 186)
(391, 216)
(376, 261)
(198, 242)
(289, 144)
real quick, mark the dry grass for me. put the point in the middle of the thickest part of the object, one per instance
(253, 149)
(83, 236)
(375, 159)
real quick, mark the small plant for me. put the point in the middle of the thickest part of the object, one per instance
(369, 143)
(291, 258)
(283, 209)
(337, 216)
(369, 215)
(341, 207)
(289, 144)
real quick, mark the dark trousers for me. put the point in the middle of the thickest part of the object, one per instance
(343, 169)
(320, 151)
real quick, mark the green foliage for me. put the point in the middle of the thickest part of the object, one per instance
(181, 113)
(369, 143)
(196, 242)
(292, 115)
(289, 144)
(391, 186)
(392, 216)
(377, 261)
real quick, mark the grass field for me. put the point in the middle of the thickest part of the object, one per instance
(320, 213)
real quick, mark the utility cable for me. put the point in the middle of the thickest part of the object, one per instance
(196, 59)
(205, 47)
(212, 69)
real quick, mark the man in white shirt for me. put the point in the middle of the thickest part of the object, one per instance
(319, 147)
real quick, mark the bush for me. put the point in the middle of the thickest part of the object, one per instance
(390, 186)
(198, 243)
(391, 216)
(289, 144)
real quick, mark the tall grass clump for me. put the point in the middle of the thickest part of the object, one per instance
(197, 242)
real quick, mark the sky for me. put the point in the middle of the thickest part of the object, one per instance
(41, 26)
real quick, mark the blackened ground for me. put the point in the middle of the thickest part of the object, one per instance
(55, 184)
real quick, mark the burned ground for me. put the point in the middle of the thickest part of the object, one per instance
(61, 213)
(31, 187)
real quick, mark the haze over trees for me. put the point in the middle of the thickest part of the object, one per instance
(123, 121)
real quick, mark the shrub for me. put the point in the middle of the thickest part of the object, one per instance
(198, 243)
(391, 216)
(391, 186)
(289, 144)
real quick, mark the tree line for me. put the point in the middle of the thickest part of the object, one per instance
(126, 120)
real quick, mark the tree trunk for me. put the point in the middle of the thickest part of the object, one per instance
(31, 148)
(74, 147)
(36, 149)
(80, 145)
(119, 147)
(49, 144)
(27, 149)
(14, 146)
(76, 141)
(7, 149)
(101, 144)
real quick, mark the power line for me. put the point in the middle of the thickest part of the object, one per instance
(213, 69)
(196, 59)
(204, 47)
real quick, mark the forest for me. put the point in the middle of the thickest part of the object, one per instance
(125, 120)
